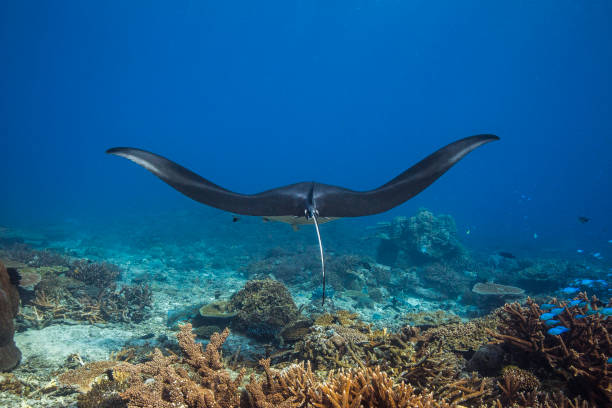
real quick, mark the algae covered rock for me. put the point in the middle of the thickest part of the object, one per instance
(263, 308)
(9, 305)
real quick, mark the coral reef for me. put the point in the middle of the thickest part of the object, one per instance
(263, 308)
(297, 386)
(25, 254)
(128, 304)
(431, 318)
(542, 275)
(421, 238)
(100, 275)
(9, 305)
(162, 383)
(578, 355)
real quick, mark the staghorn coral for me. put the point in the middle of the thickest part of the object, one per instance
(171, 385)
(370, 387)
(9, 305)
(431, 318)
(579, 357)
(439, 274)
(131, 303)
(297, 386)
(463, 337)
(515, 383)
(101, 275)
(25, 254)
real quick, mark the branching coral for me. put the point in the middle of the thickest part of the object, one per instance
(100, 275)
(128, 304)
(169, 385)
(579, 356)
(298, 387)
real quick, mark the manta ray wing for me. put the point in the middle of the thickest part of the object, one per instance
(332, 201)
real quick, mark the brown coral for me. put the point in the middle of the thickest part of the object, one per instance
(579, 356)
(171, 385)
(9, 305)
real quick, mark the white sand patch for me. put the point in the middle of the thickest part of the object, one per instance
(55, 343)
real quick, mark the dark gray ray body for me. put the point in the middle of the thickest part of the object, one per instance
(308, 202)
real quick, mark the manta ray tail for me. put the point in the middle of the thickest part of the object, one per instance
(316, 224)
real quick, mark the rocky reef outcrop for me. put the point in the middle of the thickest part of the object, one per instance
(9, 305)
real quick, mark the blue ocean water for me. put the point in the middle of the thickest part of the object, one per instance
(256, 95)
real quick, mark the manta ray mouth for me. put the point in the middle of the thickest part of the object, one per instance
(295, 221)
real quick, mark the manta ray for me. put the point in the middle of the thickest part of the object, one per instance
(308, 202)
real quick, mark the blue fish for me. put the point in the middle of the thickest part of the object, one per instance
(592, 312)
(552, 322)
(609, 360)
(580, 316)
(569, 290)
(574, 302)
(587, 282)
(556, 311)
(579, 251)
(547, 316)
(555, 331)
(546, 306)
(607, 311)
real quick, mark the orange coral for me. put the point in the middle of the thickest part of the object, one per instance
(168, 385)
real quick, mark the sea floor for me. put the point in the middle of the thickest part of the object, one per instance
(187, 265)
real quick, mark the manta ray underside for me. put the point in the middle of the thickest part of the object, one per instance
(308, 202)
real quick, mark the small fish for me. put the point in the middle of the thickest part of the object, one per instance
(552, 322)
(574, 302)
(467, 232)
(609, 360)
(546, 316)
(610, 241)
(580, 316)
(535, 235)
(556, 311)
(569, 290)
(555, 331)
(607, 311)
(546, 306)
(507, 255)
(423, 249)
(592, 312)
(597, 254)
(586, 282)
(583, 220)
(580, 251)
(235, 219)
